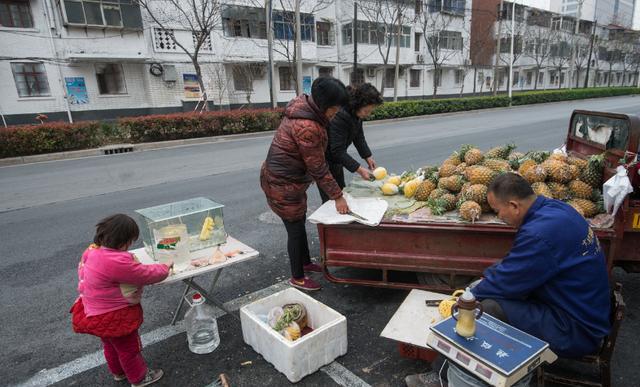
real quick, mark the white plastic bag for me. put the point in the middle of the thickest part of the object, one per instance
(616, 189)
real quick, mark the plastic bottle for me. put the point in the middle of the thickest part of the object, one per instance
(202, 328)
(468, 310)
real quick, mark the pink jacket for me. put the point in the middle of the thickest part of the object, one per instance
(111, 279)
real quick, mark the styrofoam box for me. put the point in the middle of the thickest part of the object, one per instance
(295, 359)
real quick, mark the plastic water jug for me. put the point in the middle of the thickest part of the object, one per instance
(202, 328)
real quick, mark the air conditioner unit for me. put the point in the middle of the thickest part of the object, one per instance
(371, 72)
(170, 74)
(420, 58)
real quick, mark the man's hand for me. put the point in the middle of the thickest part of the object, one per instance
(341, 205)
(364, 173)
(371, 162)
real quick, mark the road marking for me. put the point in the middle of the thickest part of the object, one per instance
(343, 376)
(48, 377)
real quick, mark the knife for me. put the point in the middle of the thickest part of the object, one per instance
(357, 216)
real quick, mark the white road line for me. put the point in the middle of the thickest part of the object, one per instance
(343, 376)
(50, 376)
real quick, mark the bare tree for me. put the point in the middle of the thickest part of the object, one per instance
(581, 56)
(244, 75)
(384, 18)
(537, 46)
(560, 55)
(442, 42)
(217, 74)
(518, 30)
(199, 17)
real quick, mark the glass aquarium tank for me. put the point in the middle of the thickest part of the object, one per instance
(171, 231)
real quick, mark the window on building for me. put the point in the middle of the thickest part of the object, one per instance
(405, 36)
(414, 78)
(15, 13)
(164, 39)
(110, 78)
(417, 38)
(459, 76)
(540, 78)
(553, 78)
(206, 43)
(529, 77)
(505, 45)
(516, 78)
(437, 76)
(242, 78)
(480, 78)
(487, 83)
(418, 8)
(284, 26)
(324, 31)
(347, 33)
(501, 77)
(618, 77)
(606, 78)
(389, 77)
(31, 79)
(455, 7)
(244, 22)
(357, 78)
(102, 13)
(447, 40)
(286, 78)
(325, 71)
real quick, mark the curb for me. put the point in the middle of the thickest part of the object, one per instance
(146, 146)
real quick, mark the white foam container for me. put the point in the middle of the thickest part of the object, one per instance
(295, 359)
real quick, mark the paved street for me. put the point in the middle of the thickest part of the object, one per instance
(48, 210)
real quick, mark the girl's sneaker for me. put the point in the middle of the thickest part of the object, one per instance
(304, 284)
(312, 267)
(152, 376)
(119, 378)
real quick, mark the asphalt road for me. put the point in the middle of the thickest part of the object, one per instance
(47, 213)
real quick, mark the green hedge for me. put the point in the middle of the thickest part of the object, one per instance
(57, 137)
(434, 106)
(48, 138)
(191, 125)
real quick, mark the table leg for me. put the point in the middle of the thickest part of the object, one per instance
(177, 312)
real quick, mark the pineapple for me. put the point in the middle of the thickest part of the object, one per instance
(452, 183)
(535, 174)
(454, 159)
(446, 169)
(525, 166)
(497, 165)
(461, 168)
(540, 188)
(589, 208)
(438, 206)
(437, 193)
(538, 156)
(450, 201)
(580, 189)
(592, 174)
(557, 171)
(575, 171)
(560, 191)
(424, 190)
(577, 208)
(430, 173)
(500, 152)
(473, 156)
(470, 211)
(480, 175)
(558, 157)
(463, 150)
(476, 193)
(578, 162)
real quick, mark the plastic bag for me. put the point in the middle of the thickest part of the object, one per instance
(616, 189)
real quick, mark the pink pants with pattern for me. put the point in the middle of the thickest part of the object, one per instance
(124, 356)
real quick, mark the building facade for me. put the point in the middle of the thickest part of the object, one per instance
(102, 59)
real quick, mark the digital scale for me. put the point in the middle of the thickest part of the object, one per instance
(498, 353)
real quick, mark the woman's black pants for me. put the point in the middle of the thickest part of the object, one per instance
(297, 246)
(338, 173)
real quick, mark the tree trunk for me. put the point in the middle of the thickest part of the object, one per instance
(475, 79)
(535, 83)
(624, 76)
(609, 77)
(577, 77)
(203, 91)
(435, 81)
(462, 87)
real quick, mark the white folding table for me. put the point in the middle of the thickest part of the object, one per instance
(187, 276)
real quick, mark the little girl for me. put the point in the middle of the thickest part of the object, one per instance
(110, 288)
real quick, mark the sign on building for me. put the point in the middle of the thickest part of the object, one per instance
(191, 86)
(76, 91)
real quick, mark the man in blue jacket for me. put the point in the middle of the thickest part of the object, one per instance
(553, 284)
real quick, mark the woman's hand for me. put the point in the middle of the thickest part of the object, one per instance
(169, 264)
(341, 205)
(364, 173)
(371, 162)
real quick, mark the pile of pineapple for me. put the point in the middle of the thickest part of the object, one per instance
(461, 181)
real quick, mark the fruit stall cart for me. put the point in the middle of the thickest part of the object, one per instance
(452, 250)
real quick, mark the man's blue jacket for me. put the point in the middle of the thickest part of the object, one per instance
(553, 284)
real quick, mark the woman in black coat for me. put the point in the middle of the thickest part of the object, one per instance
(345, 129)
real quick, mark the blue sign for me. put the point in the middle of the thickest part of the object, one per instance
(76, 91)
(306, 84)
(496, 343)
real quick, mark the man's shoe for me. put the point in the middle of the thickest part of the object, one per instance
(429, 379)
(312, 268)
(152, 376)
(304, 284)
(119, 378)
